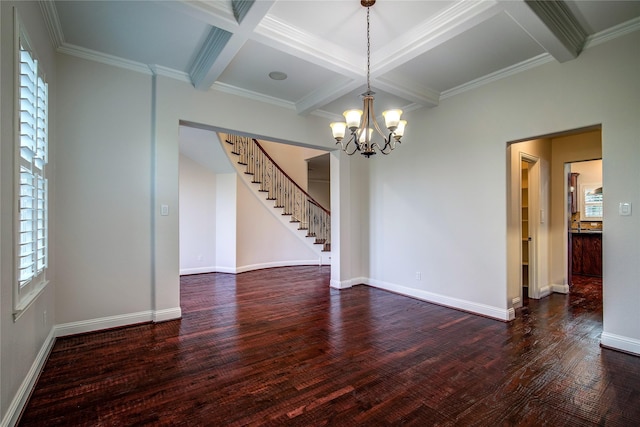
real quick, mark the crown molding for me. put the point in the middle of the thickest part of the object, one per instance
(215, 13)
(591, 41)
(52, 21)
(414, 93)
(497, 75)
(234, 90)
(104, 58)
(159, 70)
(325, 94)
(613, 33)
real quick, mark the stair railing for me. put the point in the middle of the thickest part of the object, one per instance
(283, 190)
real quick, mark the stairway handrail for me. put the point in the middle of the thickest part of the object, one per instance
(311, 199)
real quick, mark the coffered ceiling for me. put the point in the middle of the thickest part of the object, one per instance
(421, 51)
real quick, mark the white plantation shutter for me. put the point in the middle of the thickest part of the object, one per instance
(33, 186)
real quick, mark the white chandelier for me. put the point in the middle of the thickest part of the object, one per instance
(360, 123)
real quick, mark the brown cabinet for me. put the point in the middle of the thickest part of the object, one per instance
(573, 192)
(586, 254)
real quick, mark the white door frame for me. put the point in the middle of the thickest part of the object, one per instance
(534, 220)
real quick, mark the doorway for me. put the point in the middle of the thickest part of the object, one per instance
(541, 263)
(584, 221)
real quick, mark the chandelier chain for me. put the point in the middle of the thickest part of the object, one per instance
(368, 54)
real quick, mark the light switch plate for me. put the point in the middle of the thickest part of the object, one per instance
(164, 210)
(625, 209)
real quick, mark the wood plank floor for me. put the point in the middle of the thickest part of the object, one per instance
(279, 347)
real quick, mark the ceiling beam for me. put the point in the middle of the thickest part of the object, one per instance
(288, 38)
(397, 86)
(326, 94)
(551, 24)
(430, 34)
(221, 46)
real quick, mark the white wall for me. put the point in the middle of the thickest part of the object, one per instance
(590, 171)
(438, 203)
(103, 185)
(226, 222)
(262, 241)
(197, 218)
(24, 344)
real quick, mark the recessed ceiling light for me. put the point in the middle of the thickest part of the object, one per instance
(277, 75)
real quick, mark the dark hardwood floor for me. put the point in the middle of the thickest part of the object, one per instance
(279, 347)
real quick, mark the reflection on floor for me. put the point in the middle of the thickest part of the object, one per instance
(585, 296)
(586, 292)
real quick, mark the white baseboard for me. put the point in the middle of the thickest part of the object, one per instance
(545, 291)
(167, 314)
(560, 289)
(345, 284)
(503, 314)
(20, 399)
(92, 325)
(274, 264)
(233, 270)
(197, 270)
(619, 342)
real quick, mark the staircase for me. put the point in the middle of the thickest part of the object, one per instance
(286, 194)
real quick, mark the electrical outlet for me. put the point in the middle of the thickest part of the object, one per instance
(418, 275)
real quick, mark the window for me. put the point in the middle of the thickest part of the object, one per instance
(31, 175)
(591, 202)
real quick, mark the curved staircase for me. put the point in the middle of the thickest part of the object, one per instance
(286, 194)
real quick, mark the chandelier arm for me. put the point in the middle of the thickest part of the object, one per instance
(345, 147)
(389, 145)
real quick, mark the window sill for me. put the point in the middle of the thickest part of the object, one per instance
(22, 306)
